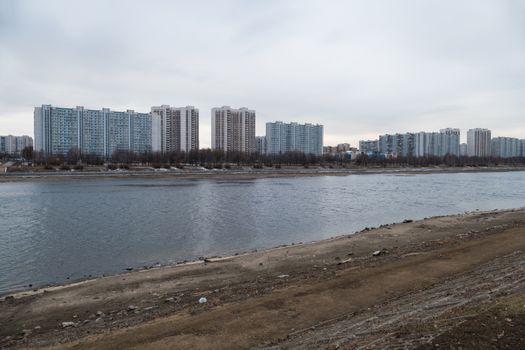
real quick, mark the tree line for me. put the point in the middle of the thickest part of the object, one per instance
(218, 158)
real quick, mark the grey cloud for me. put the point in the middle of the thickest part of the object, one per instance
(358, 67)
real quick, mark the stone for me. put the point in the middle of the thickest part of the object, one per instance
(68, 324)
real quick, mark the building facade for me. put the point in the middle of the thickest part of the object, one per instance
(449, 141)
(179, 128)
(369, 146)
(398, 145)
(59, 130)
(522, 147)
(463, 149)
(13, 145)
(289, 137)
(261, 145)
(233, 130)
(438, 144)
(478, 143)
(505, 147)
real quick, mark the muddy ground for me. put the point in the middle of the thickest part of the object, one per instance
(446, 282)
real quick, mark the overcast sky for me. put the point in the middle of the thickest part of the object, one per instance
(360, 68)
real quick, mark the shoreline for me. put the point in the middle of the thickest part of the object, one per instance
(245, 174)
(38, 289)
(154, 308)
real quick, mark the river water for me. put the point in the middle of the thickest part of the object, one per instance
(65, 230)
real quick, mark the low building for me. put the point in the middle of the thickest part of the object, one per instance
(13, 145)
(369, 146)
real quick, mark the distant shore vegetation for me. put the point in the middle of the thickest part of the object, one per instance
(217, 159)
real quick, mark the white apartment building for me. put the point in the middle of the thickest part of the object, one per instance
(439, 144)
(97, 132)
(14, 145)
(179, 128)
(287, 137)
(505, 147)
(478, 142)
(233, 130)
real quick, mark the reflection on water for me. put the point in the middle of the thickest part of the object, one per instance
(52, 231)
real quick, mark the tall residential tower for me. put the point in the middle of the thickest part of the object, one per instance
(233, 130)
(478, 143)
(179, 128)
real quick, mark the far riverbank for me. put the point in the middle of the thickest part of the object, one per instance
(241, 172)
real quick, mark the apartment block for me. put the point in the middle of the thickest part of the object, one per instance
(287, 137)
(233, 130)
(505, 147)
(478, 142)
(261, 145)
(98, 132)
(398, 145)
(369, 146)
(450, 140)
(463, 149)
(439, 144)
(179, 128)
(14, 145)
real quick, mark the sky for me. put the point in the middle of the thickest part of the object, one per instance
(360, 68)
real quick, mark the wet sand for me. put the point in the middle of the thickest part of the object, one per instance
(445, 280)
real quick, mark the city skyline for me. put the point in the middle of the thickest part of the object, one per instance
(362, 70)
(190, 132)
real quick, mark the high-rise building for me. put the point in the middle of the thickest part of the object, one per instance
(287, 137)
(505, 147)
(14, 145)
(478, 143)
(260, 144)
(450, 139)
(369, 146)
(522, 147)
(233, 130)
(179, 128)
(439, 144)
(59, 130)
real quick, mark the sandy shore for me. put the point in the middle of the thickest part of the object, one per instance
(246, 173)
(454, 281)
